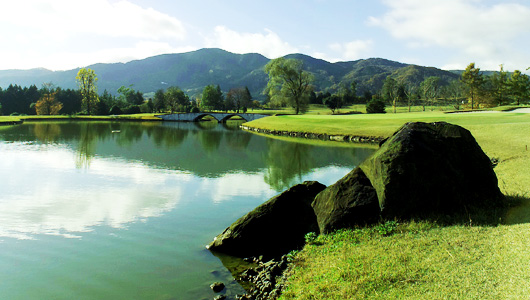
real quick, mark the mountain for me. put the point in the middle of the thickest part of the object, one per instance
(192, 71)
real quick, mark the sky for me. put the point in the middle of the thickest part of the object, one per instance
(449, 34)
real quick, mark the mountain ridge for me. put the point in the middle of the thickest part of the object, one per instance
(193, 70)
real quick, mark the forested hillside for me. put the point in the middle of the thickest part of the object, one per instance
(193, 71)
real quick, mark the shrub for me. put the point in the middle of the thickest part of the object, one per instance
(131, 110)
(310, 237)
(375, 106)
(387, 228)
(115, 110)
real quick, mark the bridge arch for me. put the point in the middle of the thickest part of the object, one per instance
(229, 116)
(220, 117)
(202, 115)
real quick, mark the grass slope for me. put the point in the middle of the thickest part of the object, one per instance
(424, 260)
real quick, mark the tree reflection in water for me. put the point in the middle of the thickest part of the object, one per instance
(204, 148)
(286, 162)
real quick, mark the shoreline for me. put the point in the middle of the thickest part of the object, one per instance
(8, 123)
(374, 140)
(59, 119)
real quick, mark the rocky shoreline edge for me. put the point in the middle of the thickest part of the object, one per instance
(318, 136)
(437, 161)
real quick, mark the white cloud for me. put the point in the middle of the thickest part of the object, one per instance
(353, 50)
(62, 18)
(480, 32)
(64, 34)
(268, 44)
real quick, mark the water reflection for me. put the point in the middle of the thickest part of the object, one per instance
(57, 200)
(66, 178)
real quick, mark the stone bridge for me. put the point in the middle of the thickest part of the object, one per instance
(220, 117)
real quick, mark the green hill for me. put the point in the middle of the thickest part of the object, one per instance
(192, 71)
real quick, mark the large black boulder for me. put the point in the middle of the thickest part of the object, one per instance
(275, 227)
(350, 201)
(427, 169)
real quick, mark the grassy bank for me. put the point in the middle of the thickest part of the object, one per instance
(503, 135)
(424, 260)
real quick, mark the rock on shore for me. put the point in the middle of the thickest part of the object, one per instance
(275, 227)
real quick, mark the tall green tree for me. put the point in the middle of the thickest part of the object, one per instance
(237, 99)
(212, 98)
(430, 89)
(333, 102)
(390, 91)
(176, 99)
(86, 81)
(159, 103)
(411, 93)
(499, 82)
(289, 83)
(473, 80)
(519, 85)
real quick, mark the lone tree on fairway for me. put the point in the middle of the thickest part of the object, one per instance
(288, 82)
(86, 80)
(474, 80)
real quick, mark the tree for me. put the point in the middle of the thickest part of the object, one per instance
(48, 105)
(256, 104)
(237, 99)
(159, 103)
(430, 88)
(499, 83)
(333, 102)
(375, 106)
(86, 80)
(411, 93)
(390, 91)
(519, 85)
(347, 93)
(176, 99)
(106, 101)
(473, 80)
(455, 91)
(212, 98)
(129, 95)
(288, 82)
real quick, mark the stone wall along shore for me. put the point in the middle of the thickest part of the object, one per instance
(318, 136)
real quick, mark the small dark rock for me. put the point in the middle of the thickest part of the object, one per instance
(217, 287)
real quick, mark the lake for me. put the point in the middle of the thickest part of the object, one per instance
(123, 210)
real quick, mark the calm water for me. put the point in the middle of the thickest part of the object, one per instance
(87, 212)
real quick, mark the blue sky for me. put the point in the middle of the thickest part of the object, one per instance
(449, 34)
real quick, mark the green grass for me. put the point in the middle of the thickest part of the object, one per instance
(320, 109)
(420, 261)
(424, 260)
(8, 119)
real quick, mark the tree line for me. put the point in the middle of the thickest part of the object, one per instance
(289, 84)
(51, 100)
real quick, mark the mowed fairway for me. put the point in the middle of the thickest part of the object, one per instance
(423, 259)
